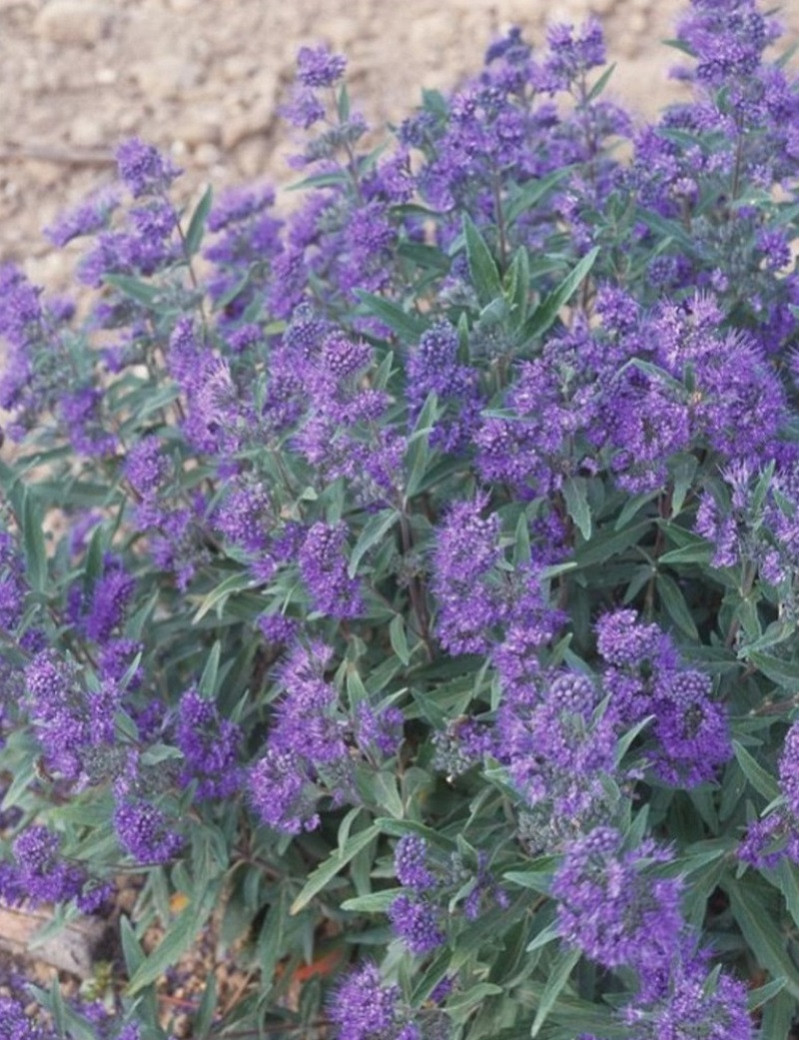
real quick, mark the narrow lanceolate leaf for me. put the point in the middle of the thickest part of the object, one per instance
(675, 605)
(547, 311)
(559, 976)
(234, 583)
(575, 496)
(374, 902)
(33, 543)
(405, 326)
(197, 225)
(482, 267)
(328, 870)
(763, 936)
(133, 287)
(374, 531)
(756, 774)
(179, 937)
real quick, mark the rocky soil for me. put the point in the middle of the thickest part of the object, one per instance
(204, 78)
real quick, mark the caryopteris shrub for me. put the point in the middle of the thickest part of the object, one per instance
(421, 605)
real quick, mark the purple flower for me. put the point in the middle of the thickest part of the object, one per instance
(146, 465)
(306, 753)
(381, 729)
(91, 216)
(323, 566)
(318, 67)
(690, 728)
(623, 640)
(417, 921)
(43, 876)
(143, 830)
(111, 595)
(17, 1023)
(677, 1001)
(434, 367)
(571, 53)
(363, 1008)
(612, 911)
(210, 746)
(554, 748)
(245, 516)
(410, 856)
(775, 836)
(144, 169)
(464, 585)
(68, 720)
(13, 587)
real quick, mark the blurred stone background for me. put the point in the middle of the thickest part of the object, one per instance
(203, 79)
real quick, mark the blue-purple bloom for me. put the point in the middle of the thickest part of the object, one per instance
(364, 1008)
(464, 581)
(418, 922)
(210, 747)
(610, 909)
(144, 170)
(323, 566)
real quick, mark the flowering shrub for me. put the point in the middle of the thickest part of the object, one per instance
(424, 585)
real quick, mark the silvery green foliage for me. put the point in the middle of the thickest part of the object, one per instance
(423, 608)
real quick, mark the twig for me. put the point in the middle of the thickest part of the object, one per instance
(48, 153)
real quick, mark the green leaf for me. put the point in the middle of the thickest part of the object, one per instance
(672, 599)
(788, 886)
(682, 470)
(374, 903)
(539, 880)
(33, 543)
(547, 311)
(782, 672)
(326, 871)
(547, 935)
(631, 508)
(756, 774)
(425, 256)
(397, 637)
(600, 85)
(761, 932)
(208, 680)
(373, 531)
(398, 828)
(665, 228)
(205, 1013)
(384, 790)
(603, 546)
(407, 327)
(237, 582)
(482, 267)
(526, 198)
(575, 496)
(418, 451)
(559, 976)
(197, 225)
(689, 554)
(177, 940)
(756, 998)
(518, 281)
(133, 287)
(131, 950)
(271, 939)
(461, 1005)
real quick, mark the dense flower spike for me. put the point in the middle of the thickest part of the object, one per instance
(363, 1008)
(610, 910)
